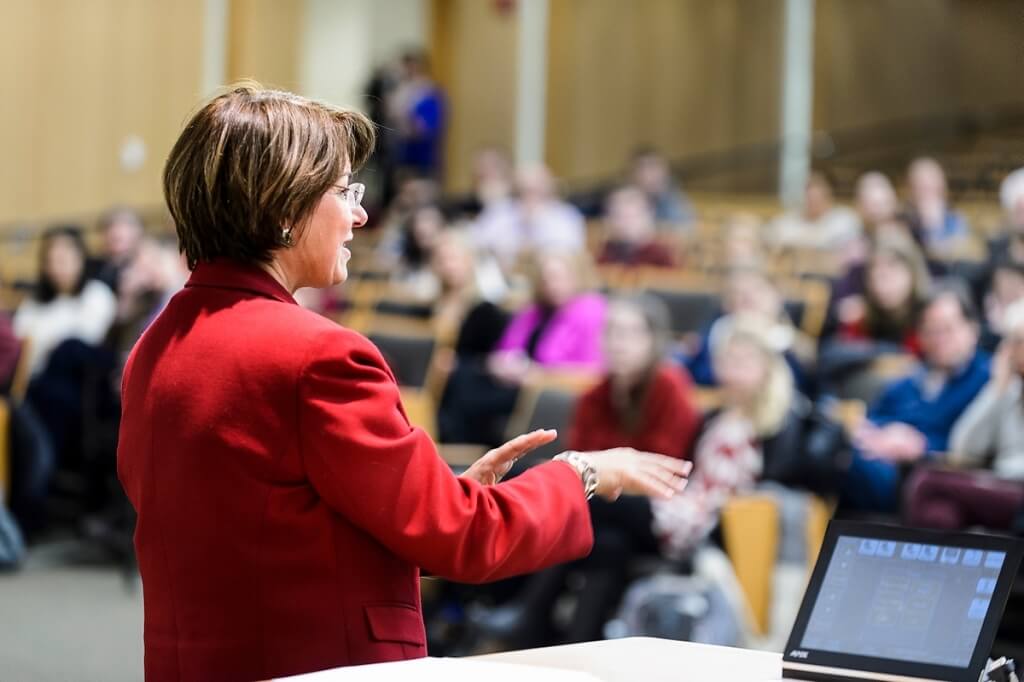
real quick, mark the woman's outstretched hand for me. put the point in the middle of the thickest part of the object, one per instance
(619, 470)
(490, 468)
(625, 470)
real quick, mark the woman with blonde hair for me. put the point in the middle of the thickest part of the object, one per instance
(756, 434)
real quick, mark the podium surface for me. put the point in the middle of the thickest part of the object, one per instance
(652, 660)
(617, 660)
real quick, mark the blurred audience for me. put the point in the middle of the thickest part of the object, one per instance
(463, 281)
(894, 285)
(123, 233)
(560, 330)
(536, 219)
(761, 431)
(492, 182)
(66, 303)
(749, 292)
(145, 286)
(1010, 242)
(632, 232)
(988, 438)
(1005, 287)
(991, 432)
(418, 113)
(650, 173)
(643, 402)
(819, 223)
(875, 200)
(934, 224)
(912, 419)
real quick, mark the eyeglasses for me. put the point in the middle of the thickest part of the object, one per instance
(353, 193)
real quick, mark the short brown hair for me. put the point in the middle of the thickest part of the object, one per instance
(254, 161)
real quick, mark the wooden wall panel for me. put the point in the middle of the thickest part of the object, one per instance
(989, 42)
(686, 76)
(474, 51)
(78, 79)
(264, 42)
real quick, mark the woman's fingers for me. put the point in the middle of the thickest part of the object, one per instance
(520, 445)
(644, 483)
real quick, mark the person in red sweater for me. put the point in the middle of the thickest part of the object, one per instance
(643, 402)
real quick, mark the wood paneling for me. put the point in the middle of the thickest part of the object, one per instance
(79, 78)
(881, 60)
(686, 76)
(989, 44)
(264, 42)
(474, 51)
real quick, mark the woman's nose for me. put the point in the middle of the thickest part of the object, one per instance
(359, 216)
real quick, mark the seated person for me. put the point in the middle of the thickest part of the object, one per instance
(643, 402)
(749, 291)
(991, 431)
(989, 436)
(406, 254)
(882, 318)
(560, 330)
(536, 219)
(1005, 287)
(463, 281)
(1010, 243)
(629, 220)
(123, 233)
(875, 201)
(651, 174)
(820, 223)
(31, 450)
(934, 224)
(492, 183)
(66, 303)
(914, 416)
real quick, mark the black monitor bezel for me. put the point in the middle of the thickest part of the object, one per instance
(828, 659)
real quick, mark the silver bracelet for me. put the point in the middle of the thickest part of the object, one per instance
(587, 472)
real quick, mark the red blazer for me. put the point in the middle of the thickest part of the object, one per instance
(669, 422)
(285, 505)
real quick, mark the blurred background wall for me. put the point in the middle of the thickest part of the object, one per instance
(95, 92)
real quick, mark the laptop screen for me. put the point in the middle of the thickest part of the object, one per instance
(886, 600)
(904, 601)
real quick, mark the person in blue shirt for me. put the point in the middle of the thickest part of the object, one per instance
(418, 108)
(911, 421)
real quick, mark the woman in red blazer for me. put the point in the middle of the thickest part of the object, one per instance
(285, 505)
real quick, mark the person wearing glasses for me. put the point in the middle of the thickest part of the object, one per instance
(285, 504)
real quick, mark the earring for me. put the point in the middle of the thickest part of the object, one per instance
(286, 237)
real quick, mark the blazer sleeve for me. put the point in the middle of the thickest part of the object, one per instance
(385, 476)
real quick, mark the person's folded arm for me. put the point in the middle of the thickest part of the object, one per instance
(369, 464)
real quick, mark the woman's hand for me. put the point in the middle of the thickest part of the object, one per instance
(490, 468)
(625, 470)
(509, 367)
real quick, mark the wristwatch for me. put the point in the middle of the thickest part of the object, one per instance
(587, 472)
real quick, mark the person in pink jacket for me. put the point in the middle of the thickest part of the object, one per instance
(561, 330)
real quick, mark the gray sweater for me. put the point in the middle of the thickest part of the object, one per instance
(992, 426)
